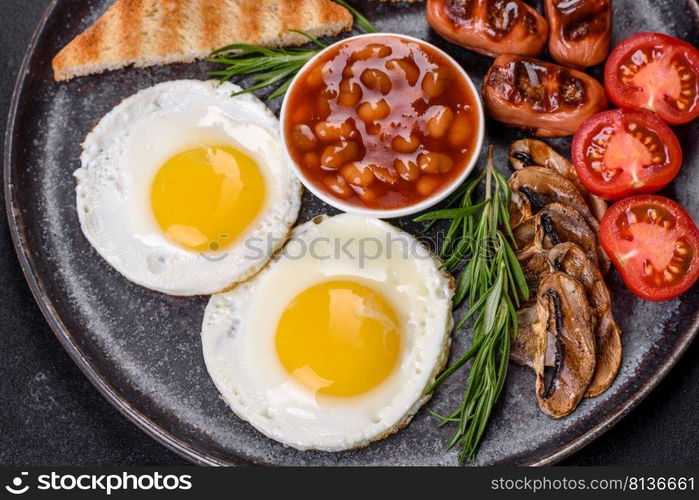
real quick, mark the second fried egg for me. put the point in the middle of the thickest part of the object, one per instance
(332, 345)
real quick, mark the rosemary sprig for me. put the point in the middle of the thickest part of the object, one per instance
(272, 66)
(492, 281)
(359, 19)
(268, 66)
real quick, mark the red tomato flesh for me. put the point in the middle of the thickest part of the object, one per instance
(654, 243)
(657, 72)
(621, 152)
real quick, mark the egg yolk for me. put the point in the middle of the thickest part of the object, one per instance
(339, 338)
(204, 198)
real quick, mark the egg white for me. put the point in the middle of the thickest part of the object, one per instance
(238, 334)
(122, 155)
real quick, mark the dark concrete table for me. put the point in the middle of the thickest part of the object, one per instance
(51, 415)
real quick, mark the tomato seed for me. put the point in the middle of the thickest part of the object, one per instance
(647, 268)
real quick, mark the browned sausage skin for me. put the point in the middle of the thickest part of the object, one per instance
(581, 31)
(550, 99)
(490, 27)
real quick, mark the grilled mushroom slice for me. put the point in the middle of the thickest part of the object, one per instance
(536, 267)
(564, 313)
(572, 260)
(535, 187)
(524, 232)
(525, 344)
(558, 223)
(530, 152)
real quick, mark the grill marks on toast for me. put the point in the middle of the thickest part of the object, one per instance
(211, 18)
(128, 22)
(148, 32)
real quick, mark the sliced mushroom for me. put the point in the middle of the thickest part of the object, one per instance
(572, 260)
(524, 232)
(529, 152)
(535, 187)
(558, 223)
(535, 267)
(524, 346)
(564, 313)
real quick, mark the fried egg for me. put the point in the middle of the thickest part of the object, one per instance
(333, 344)
(184, 189)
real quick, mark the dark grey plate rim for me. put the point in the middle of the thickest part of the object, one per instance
(152, 428)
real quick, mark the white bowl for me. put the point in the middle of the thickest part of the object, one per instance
(394, 212)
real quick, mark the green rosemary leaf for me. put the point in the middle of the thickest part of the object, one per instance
(475, 346)
(462, 249)
(492, 305)
(492, 281)
(517, 272)
(281, 90)
(311, 38)
(464, 282)
(449, 237)
(451, 213)
(359, 19)
(271, 65)
(472, 310)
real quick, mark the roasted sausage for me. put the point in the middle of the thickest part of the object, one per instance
(490, 27)
(581, 31)
(550, 99)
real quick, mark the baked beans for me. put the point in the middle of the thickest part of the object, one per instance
(381, 122)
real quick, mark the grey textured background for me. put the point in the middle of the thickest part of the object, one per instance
(52, 415)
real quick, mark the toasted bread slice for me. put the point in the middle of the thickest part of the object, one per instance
(150, 32)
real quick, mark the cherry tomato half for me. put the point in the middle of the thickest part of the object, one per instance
(654, 244)
(656, 72)
(625, 151)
